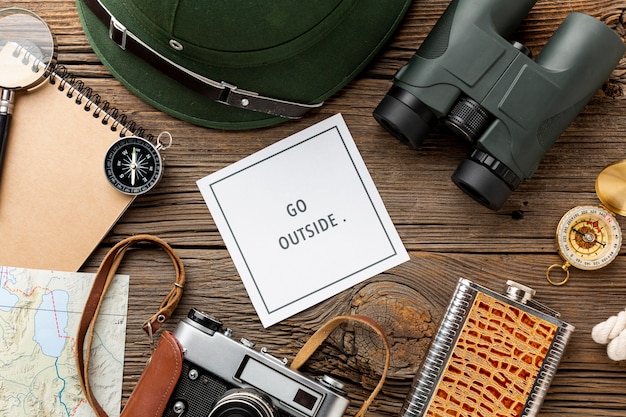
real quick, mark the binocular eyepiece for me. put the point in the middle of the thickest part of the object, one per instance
(490, 92)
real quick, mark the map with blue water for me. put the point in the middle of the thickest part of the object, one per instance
(39, 315)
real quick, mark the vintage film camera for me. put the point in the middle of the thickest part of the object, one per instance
(490, 92)
(222, 377)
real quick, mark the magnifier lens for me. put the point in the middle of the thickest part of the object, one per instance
(26, 49)
(26, 52)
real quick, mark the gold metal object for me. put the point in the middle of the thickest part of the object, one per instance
(611, 187)
(589, 237)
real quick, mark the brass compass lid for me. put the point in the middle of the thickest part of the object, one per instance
(611, 187)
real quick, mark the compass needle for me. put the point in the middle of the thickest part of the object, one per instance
(589, 237)
(133, 166)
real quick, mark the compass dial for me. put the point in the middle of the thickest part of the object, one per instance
(133, 165)
(588, 237)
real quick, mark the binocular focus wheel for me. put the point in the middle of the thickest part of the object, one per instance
(467, 119)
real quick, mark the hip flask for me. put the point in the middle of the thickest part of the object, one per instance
(493, 355)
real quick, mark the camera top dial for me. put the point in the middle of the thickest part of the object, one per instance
(205, 320)
(589, 237)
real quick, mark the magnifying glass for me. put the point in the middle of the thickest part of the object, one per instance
(26, 55)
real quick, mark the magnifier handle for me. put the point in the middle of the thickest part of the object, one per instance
(6, 108)
(4, 129)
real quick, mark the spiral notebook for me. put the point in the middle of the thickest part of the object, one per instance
(55, 202)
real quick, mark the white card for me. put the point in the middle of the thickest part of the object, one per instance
(302, 220)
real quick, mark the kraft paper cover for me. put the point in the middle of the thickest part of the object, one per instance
(55, 202)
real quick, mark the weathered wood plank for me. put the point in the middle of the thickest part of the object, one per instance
(448, 234)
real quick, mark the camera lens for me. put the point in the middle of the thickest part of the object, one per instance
(404, 116)
(485, 179)
(243, 403)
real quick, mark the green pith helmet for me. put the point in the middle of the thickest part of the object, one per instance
(237, 64)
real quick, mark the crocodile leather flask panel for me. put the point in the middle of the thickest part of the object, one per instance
(494, 355)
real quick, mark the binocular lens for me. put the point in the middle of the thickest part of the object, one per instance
(485, 179)
(404, 116)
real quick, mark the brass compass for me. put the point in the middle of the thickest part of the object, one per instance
(589, 237)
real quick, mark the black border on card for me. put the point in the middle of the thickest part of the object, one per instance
(335, 127)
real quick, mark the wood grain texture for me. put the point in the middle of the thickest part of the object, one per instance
(448, 235)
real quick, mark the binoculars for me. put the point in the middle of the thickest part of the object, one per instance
(489, 90)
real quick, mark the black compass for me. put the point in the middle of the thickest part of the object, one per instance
(133, 165)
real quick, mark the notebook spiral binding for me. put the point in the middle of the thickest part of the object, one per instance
(58, 73)
(93, 102)
(29, 57)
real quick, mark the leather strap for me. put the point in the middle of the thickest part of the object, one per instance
(158, 380)
(222, 92)
(101, 283)
(322, 334)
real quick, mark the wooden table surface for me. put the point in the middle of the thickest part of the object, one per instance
(447, 234)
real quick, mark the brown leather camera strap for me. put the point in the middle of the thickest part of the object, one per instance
(101, 283)
(322, 334)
